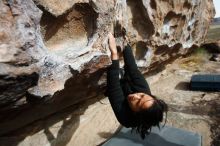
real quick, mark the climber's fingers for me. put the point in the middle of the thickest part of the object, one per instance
(112, 43)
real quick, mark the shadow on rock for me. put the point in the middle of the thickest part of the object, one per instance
(56, 129)
(65, 132)
(185, 86)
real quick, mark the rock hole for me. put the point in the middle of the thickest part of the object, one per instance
(161, 50)
(174, 26)
(176, 48)
(157, 34)
(193, 16)
(141, 50)
(140, 19)
(173, 18)
(165, 50)
(70, 31)
(188, 38)
(187, 5)
(153, 4)
(189, 28)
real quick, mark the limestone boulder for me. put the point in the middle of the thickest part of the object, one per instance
(54, 54)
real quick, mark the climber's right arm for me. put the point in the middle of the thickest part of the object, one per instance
(114, 90)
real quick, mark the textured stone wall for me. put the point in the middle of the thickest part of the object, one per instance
(54, 53)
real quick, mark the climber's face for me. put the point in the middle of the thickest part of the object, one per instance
(140, 101)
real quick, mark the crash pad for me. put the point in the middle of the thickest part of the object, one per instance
(166, 136)
(205, 82)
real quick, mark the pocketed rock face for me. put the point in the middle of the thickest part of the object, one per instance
(65, 72)
(20, 48)
(168, 28)
(55, 55)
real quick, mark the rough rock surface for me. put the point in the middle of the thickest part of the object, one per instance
(55, 57)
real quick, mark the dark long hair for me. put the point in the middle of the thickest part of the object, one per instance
(151, 117)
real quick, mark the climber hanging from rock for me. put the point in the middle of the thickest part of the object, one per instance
(129, 93)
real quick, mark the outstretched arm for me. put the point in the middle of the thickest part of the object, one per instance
(114, 90)
(135, 75)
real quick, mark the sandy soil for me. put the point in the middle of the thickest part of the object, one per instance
(191, 110)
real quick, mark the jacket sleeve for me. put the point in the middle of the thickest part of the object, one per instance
(116, 95)
(117, 99)
(135, 75)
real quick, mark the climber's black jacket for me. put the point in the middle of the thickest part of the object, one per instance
(118, 89)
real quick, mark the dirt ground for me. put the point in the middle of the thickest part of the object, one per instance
(213, 33)
(191, 110)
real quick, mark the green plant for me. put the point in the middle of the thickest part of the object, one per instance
(199, 51)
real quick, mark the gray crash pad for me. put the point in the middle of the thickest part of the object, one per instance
(167, 136)
(206, 82)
